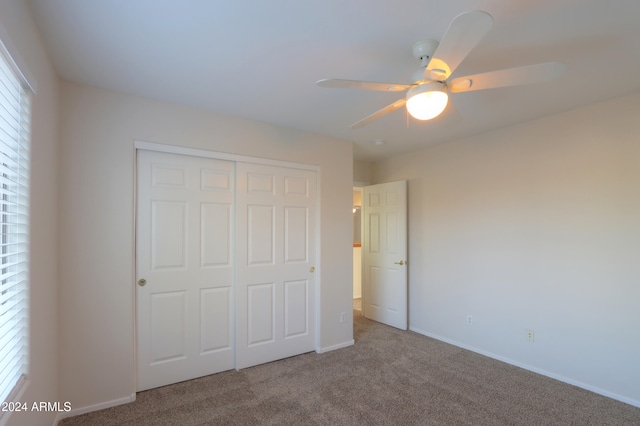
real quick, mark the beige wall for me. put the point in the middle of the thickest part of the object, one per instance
(18, 32)
(98, 129)
(535, 226)
(362, 172)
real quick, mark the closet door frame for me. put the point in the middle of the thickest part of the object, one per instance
(172, 149)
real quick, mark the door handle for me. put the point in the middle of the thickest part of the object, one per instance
(400, 262)
(142, 282)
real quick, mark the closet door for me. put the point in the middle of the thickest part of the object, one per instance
(184, 266)
(275, 280)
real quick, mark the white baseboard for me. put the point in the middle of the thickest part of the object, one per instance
(338, 346)
(94, 407)
(531, 368)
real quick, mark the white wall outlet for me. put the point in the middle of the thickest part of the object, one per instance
(343, 317)
(469, 320)
(530, 335)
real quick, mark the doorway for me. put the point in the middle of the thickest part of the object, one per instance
(357, 249)
(225, 265)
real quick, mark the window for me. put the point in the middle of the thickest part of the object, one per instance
(14, 226)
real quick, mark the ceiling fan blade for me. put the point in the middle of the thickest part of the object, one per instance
(463, 34)
(384, 111)
(528, 74)
(336, 83)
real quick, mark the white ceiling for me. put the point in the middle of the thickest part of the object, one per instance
(260, 59)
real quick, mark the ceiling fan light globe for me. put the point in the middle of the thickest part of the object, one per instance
(427, 101)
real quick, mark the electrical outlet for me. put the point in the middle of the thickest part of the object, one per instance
(343, 317)
(469, 320)
(530, 335)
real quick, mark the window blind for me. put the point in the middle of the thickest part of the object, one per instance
(14, 226)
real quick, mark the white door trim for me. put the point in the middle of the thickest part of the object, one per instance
(196, 152)
(172, 149)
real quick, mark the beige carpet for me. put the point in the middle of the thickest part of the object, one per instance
(389, 377)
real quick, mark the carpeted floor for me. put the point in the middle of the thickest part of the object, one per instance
(357, 304)
(389, 377)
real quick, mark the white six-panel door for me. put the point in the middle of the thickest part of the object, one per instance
(275, 287)
(225, 254)
(185, 255)
(385, 253)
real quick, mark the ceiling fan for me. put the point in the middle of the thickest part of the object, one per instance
(427, 96)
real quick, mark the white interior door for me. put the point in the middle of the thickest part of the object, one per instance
(276, 285)
(385, 253)
(185, 254)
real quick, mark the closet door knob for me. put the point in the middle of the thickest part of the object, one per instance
(142, 282)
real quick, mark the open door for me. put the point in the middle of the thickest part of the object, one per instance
(385, 253)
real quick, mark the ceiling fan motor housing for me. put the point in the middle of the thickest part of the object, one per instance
(428, 86)
(423, 51)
